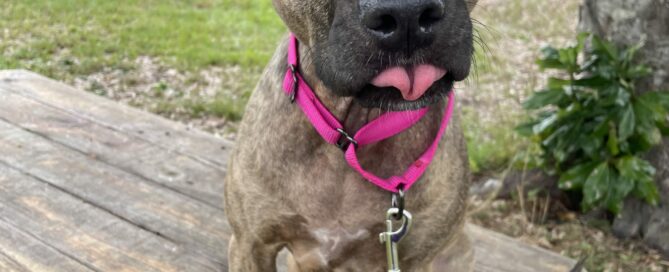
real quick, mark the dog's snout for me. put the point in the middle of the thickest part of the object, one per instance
(400, 24)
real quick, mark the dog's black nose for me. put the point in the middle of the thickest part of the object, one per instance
(402, 25)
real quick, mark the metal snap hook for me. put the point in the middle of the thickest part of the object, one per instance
(406, 218)
(392, 237)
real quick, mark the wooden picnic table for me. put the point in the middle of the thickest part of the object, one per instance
(88, 184)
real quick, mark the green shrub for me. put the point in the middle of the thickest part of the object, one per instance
(593, 126)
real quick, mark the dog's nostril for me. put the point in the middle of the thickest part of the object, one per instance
(428, 18)
(385, 24)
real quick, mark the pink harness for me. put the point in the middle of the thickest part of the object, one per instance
(384, 127)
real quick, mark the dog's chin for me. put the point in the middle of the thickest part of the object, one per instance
(389, 98)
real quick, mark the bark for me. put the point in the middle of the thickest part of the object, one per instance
(629, 22)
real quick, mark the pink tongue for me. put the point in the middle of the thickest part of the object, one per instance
(412, 84)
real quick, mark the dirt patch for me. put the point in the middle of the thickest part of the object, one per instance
(178, 95)
(542, 222)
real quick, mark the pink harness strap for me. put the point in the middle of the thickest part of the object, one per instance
(384, 127)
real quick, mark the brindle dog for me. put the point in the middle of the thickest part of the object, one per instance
(287, 187)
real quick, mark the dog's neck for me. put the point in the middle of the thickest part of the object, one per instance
(289, 126)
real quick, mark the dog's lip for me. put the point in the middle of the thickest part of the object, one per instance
(411, 81)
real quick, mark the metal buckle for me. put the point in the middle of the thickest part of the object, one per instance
(293, 93)
(343, 145)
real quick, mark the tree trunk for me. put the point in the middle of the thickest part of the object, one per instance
(629, 22)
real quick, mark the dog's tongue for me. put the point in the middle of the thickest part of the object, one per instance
(412, 82)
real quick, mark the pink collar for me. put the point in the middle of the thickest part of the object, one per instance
(384, 127)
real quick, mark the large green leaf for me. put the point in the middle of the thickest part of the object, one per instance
(605, 47)
(623, 187)
(619, 188)
(597, 185)
(642, 173)
(525, 129)
(647, 190)
(591, 145)
(594, 82)
(550, 59)
(634, 168)
(590, 62)
(581, 39)
(662, 97)
(652, 136)
(544, 98)
(569, 57)
(544, 124)
(646, 118)
(575, 177)
(637, 72)
(654, 103)
(557, 83)
(627, 123)
(622, 96)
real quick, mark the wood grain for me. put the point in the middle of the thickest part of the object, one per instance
(81, 237)
(22, 251)
(495, 252)
(125, 195)
(130, 153)
(167, 134)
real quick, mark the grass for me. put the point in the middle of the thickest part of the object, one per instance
(70, 39)
(188, 34)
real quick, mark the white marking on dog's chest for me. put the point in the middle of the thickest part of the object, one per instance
(333, 241)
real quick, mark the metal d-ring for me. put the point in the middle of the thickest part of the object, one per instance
(398, 202)
(293, 93)
(345, 140)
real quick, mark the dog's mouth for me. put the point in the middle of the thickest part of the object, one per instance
(406, 87)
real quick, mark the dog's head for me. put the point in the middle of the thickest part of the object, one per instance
(395, 54)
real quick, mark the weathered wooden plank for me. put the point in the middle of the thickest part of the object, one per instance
(99, 240)
(21, 252)
(145, 204)
(130, 153)
(10, 265)
(167, 134)
(496, 252)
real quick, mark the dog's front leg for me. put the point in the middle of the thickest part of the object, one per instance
(245, 255)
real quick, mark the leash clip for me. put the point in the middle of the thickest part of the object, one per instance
(293, 72)
(392, 237)
(343, 145)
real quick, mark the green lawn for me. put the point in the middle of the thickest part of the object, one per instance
(50, 36)
(70, 39)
